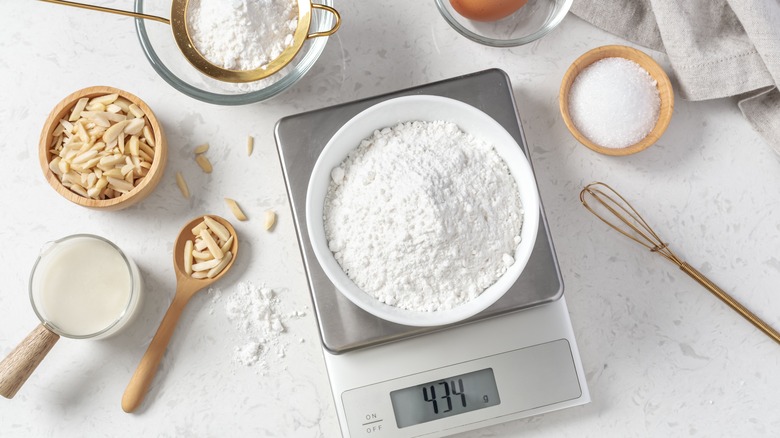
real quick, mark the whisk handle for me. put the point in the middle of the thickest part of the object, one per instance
(728, 299)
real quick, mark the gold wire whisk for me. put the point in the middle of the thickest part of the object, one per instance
(632, 225)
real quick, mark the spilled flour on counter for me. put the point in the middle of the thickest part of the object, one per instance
(256, 314)
(423, 216)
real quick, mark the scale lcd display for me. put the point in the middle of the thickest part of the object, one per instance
(445, 398)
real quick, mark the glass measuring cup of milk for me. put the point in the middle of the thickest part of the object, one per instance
(82, 287)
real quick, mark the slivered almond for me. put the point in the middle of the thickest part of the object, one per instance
(202, 148)
(202, 255)
(206, 265)
(112, 160)
(81, 131)
(235, 209)
(105, 100)
(144, 155)
(148, 135)
(95, 106)
(119, 184)
(80, 105)
(123, 103)
(101, 121)
(127, 168)
(113, 173)
(226, 246)
(270, 220)
(221, 266)
(80, 190)
(134, 126)
(188, 257)
(204, 163)
(211, 244)
(86, 156)
(217, 228)
(200, 227)
(54, 166)
(66, 125)
(136, 111)
(250, 145)
(185, 191)
(132, 146)
(101, 183)
(113, 132)
(143, 147)
(64, 167)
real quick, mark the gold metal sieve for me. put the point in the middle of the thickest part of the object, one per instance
(179, 26)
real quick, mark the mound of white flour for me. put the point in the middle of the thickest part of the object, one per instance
(423, 216)
(242, 34)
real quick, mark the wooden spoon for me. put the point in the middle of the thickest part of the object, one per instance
(186, 287)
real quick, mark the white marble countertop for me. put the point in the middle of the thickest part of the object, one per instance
(663, 357)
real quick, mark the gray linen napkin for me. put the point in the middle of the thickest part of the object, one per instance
(717, 48)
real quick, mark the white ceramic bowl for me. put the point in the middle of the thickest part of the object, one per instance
(387, 114)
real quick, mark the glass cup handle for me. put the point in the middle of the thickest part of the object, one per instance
(22, 361)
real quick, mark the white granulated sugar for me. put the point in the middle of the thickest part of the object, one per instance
(242, 34)
(614, 102)
(423, 216)
(256, 313)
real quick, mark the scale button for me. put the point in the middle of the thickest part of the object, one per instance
(372, 423)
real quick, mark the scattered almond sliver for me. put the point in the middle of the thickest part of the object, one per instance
(250, 145)
(202, 148)
(185, 191)
(270, 219)
(204, 163)
(214, 241)
(235, 209)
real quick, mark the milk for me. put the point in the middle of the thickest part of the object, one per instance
(82, 286)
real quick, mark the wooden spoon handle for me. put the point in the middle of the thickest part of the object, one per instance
(144, 374)
(19, 365)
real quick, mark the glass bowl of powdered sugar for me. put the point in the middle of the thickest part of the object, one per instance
(160, 48)
(422, 210)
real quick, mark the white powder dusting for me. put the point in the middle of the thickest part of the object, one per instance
(256, 314)
(423, 216)
(242, 34)
(614, 102)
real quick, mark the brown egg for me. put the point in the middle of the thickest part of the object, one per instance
(487, 10)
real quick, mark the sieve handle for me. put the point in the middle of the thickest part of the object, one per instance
(326, 32)
(22, 361)
(109, 10)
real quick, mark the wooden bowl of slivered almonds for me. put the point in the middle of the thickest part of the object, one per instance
(103, 148)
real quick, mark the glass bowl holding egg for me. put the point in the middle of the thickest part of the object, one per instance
(167, 60)
(503, 23)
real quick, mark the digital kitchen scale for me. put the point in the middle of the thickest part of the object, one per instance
(516, 359)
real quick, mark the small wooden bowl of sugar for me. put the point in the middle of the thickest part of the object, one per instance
(616, 100)
(103, 148)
